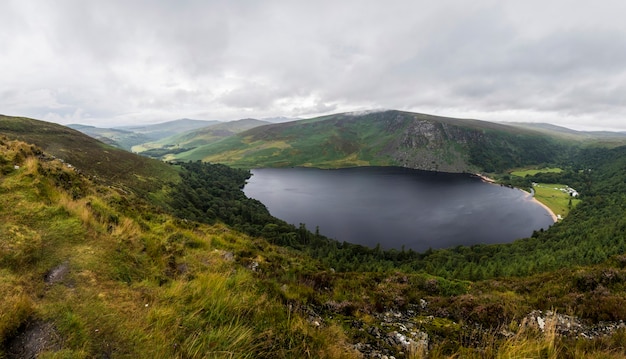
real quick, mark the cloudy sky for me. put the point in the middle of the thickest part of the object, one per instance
(137, 61)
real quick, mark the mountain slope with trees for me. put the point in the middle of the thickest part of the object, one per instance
(167, 147)
(384, 138)
(130, 257)
(126, 137)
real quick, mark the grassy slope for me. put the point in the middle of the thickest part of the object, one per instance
(137, 283)
(291, 144)
(111, 165)
(201, 136)
(140, 283)
(383, 138)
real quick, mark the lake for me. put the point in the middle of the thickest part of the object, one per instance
(397, 206)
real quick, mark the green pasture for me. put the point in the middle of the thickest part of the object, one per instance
(552, 195)
(531, 172)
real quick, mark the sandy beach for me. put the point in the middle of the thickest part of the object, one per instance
(485, 178)
(532, 198)
(554, 217)
(529, 195)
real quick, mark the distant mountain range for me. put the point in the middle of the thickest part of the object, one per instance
(128, 136)
(105, 253)
(166, 147)
(368, 138)
(156, 136)
(395, 138)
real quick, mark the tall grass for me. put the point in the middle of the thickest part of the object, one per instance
(16, 306)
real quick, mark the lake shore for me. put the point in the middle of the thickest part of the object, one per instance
(485, 178)
(532, 197)
(550, 211)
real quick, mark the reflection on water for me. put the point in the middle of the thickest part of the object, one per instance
(397, 206)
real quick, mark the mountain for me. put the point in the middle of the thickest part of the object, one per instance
(118, 255)
(280, 119)
(128, 136)
(593, 138)
(188, 140)
(115, 137)
(96, 159)
(164, 129)
(383, 138)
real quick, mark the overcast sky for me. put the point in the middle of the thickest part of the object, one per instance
(137, 61)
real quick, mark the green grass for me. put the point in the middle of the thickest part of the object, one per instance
(141, 284)
(94, 158)
(532, 172)
(389, 138)
(144, 284)
(552, 195)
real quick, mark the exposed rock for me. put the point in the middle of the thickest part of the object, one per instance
(228, 256)
(57, 274)
(569, 326)
(34, 338)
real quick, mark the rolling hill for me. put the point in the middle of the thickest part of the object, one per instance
(166, 147)
(383, 138)
(96, 159)
(90, 266)
(587, 138)
(128, 136)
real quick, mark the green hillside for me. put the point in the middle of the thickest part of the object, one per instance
(586, 138)
(167, 147)
(128, 136)
(119, 138)
(383, 138)
(94, 264)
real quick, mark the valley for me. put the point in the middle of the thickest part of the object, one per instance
(105, 253)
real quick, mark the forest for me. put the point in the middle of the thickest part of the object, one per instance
(592, 233)
(100, 268)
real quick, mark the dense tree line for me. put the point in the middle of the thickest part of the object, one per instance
(592, 233)
(502, 150)
(211, 192)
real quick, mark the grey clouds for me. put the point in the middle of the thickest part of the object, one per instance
(113, 62)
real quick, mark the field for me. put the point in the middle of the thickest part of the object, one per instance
(554, 196)
(532, 172)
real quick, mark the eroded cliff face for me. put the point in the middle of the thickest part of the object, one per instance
(430, 145)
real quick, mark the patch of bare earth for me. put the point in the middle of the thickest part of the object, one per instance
(32, 339)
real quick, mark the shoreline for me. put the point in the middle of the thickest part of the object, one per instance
(550, 211)
(532, 197)
(485, 178)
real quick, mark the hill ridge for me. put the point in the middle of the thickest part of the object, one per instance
(389, 137)
(102, 272)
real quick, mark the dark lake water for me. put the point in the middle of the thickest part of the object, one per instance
(397, 206)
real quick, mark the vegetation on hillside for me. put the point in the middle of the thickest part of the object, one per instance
(100, 162)
(103, 256)
(166, 148)
(383, 138)
(94, 271)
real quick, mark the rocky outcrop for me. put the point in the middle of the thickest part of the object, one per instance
(570, 326)
(430, 145)
(411, 332)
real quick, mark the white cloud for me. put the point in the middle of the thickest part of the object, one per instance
(146, 61)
